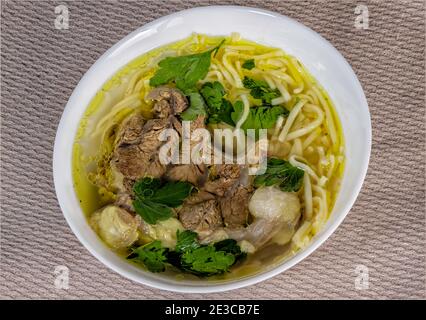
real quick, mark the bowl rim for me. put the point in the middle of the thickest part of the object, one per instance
(232, 284)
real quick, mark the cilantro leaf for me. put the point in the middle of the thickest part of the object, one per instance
(224, 115)
(219, 109)
(250, 83)
(186, 240)
(185, 71)
(197, 107)
(258, 117)
(230, 246)
(248, 64)
(213, 93)
(260, 89)
(189, 255)
(205, 261)
(152, 255)
(281, 173)
(154, 199)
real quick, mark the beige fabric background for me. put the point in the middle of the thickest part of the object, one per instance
(385, 230)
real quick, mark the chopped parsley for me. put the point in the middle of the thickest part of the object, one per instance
(152, 255)
(282, 174)
(259, 89)
(258, 117)
(248, 64)
(189, 255)
(218, 108)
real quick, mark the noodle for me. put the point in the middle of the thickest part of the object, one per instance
(237, 81)
(245, 112)
(313, 125)
(308, 196)
(292, 116)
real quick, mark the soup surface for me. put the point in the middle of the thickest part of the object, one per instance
(210, 157)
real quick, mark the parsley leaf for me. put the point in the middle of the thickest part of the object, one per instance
(186, 240)
(258, 117)
(189, 255)
(218, 108)
(152, 255)
(213, 93)
(230, 246)
(197, 107)
(205, 261)
(248, 64)
(154, 199)
(281, 173)
(185, 71)
(260, 89)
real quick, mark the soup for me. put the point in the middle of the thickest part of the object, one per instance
(211, 157)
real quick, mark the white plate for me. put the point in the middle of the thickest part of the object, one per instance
(323, 61)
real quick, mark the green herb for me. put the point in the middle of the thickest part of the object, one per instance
(230, 246)
(152, 255)
(206, 261)
(186, 240)
(151, 212)
(281, 173)
(248, 64)
(224, 115)
(218, 108)
(185, 71)
(146, 187)
(260, 89)
(213, 93)
(190, 256)
(258, 117)
(197, 107)
(173, 193)
(154, 199)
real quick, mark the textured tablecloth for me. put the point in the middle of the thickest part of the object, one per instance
(385, 230)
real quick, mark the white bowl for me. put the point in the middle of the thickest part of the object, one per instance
(324, 62)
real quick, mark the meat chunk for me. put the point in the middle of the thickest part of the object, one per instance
(198, 123)
(202, 217)
(234, 207)
(169, 101)
(199, 197)
(136, 156)
(226, 177)
(195, 174)
(130, 130)
(124, 200)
